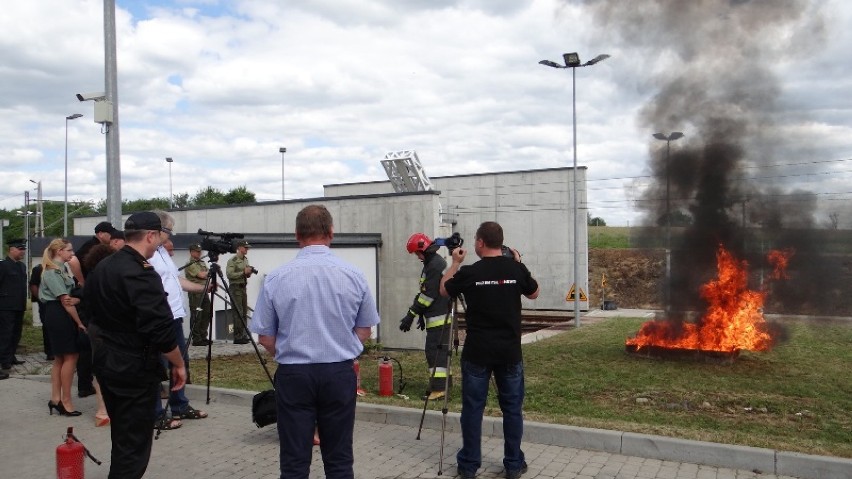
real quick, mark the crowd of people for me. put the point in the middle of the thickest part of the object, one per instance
(113, 313)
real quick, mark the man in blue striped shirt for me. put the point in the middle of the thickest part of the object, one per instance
(313, 315)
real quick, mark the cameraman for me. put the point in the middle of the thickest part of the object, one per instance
(238, 271)
(492, 288)
(430, 309)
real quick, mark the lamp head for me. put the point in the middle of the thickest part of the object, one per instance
(675, 135)
(73, 117)
(571, 59)
(282, 150)
(597, 59)
(550, 64)
(169, 160)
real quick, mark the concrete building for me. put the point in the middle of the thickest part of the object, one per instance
(373, 223)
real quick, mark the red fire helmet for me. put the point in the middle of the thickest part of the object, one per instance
(418, 242)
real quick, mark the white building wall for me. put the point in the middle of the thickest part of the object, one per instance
(535, 209)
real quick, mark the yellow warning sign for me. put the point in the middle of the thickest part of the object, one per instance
(572, 291)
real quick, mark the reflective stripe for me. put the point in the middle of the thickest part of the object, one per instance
(439, 372)
(437, 321)
(424, 300)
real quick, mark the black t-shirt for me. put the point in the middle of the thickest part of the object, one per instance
(492, 289)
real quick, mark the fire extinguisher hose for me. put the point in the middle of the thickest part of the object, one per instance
(85, 449)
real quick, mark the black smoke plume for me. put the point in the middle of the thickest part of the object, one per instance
(709, 68)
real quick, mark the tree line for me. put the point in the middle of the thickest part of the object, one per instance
(54, 210)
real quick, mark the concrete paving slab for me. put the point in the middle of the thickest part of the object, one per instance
(227, 445)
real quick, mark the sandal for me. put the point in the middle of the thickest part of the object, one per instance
(192, 413)
(167, 424)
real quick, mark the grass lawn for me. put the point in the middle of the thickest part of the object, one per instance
(797, 397)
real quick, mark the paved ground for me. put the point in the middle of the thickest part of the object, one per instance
(228, 445)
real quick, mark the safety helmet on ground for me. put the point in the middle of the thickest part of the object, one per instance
(418, 242)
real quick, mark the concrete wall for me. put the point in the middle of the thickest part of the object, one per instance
(535, 209)
(394, 216)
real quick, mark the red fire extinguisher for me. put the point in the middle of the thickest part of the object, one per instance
(358, 389)
(385, 377)
(69, 457)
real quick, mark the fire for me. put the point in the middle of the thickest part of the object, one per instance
(734, 319)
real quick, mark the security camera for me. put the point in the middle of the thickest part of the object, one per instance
(95, 95)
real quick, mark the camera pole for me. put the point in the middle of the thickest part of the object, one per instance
(452, 333)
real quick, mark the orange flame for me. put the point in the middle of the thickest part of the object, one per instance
(734, 319)
(780, 259)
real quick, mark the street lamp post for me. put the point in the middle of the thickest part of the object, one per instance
(39, 221)
(65, 208)
(572, 61)
(282, 150)
(169, 160)
(675, 135)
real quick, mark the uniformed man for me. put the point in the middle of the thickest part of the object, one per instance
(103, 235)
(13, 302)
(199, 303)
(430, 309)
(131, 325)
(238, 271)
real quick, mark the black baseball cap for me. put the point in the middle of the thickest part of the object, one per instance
(145, 220)
(104, 227)
(19, 243)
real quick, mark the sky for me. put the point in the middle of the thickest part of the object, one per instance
(220, 86)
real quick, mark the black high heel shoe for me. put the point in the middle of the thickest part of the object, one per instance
(51, 406)
(63, 412)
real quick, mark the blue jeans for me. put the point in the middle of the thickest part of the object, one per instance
(177, 399)
(510, 394)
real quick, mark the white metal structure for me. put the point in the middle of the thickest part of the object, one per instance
(405, 172)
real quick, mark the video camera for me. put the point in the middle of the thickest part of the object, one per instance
(219, 243)
(453, 242)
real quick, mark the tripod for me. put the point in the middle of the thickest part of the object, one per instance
(210, 286)
(450, 320)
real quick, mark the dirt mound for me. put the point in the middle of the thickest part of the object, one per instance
(634, 277)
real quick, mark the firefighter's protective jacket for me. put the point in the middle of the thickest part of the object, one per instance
(429, 303)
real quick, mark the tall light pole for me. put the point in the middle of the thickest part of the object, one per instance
(572, 61)
(3, 223)
(39, 221)
(668, 139)
(65, 208)
(282, 150)
(169, 160)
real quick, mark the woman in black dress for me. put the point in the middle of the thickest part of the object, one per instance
(62, 323)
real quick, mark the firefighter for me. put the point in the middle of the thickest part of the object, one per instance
(430, 309)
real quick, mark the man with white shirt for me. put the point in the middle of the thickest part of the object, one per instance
(174, 284)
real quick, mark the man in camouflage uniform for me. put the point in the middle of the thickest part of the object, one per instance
(238, 271)
(199, 303)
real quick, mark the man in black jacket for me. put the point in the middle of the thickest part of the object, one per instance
(130, 326)
(13, 302)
